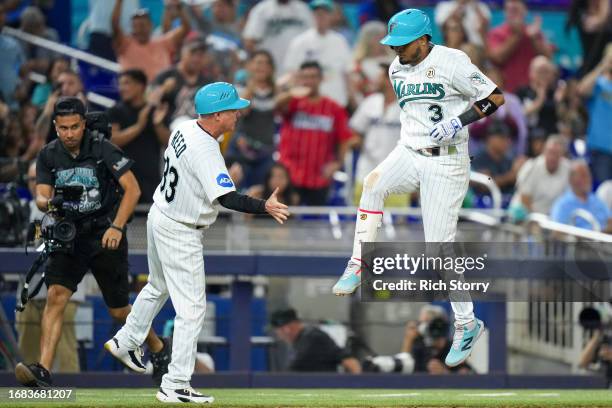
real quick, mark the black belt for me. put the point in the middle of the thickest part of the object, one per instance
(438, 151)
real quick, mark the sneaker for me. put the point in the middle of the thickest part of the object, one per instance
(463, 342)
(184, 395)
(33, 375)
(350, 279)
(132, 359)
(160, 361)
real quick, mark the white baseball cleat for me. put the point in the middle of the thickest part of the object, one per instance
(183, 395)
(350, 279)
(132, 359)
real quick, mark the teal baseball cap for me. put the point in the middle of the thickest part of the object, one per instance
(326, 4)
(406, 26)
(218, 97)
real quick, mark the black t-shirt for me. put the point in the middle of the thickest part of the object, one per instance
(483, 161)
(258, 126)
(547, 116)
(144, 149)
(97, 168)
(181, 99)
(316, 351)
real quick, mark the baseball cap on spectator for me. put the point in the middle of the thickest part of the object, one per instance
(326, 4)
(282, 317)
(141, 12)
(498, 128)
(69, 105)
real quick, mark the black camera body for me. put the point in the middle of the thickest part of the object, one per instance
(58, 230)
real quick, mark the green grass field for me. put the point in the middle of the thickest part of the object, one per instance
(143, 398)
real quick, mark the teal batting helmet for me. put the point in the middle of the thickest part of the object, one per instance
(406, 26)
(218, 97)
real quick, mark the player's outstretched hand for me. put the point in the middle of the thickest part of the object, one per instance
(276, 209)
(445, 131)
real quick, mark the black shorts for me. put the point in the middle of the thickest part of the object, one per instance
(109, 267)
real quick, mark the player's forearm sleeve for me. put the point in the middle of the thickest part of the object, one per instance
(242, 203)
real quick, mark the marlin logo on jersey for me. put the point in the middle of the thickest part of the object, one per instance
(414, 92)
(224, 180)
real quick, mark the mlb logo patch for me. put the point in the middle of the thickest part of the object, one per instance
(224, 180)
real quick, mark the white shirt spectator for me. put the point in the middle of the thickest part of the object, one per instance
(541, 186)
(471, 20)
(332, 52)
(274, 25)
(380, 127)
(604, 193)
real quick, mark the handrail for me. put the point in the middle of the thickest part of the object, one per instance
(587, 216)
(546, 223)
(487, 181)
(63, 49)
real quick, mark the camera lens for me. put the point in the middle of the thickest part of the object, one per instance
(65, 231)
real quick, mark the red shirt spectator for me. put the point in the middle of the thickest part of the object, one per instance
(512, 45)
(310, 134)
(313, 136)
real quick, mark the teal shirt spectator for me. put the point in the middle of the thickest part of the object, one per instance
(41, 93)
(568, 203)
(600, 112)
(11, 60)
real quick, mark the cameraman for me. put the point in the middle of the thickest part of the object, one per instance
(598, 350)
(428, 342)
(79, 158)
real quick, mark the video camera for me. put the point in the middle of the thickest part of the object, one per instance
(58, 228)
(98, 124)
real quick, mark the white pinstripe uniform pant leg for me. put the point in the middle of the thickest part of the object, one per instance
(396, 174)
(444, 183)
(150, 299)
(176, 251)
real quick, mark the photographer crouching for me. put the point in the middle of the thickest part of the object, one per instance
(85, 185)
(597, 353)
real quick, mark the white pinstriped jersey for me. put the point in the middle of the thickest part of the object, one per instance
(194, 176)
(443, 85)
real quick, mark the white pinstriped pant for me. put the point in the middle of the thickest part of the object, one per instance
(443, 182)
(176, 269)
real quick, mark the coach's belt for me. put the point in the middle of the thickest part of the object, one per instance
(438, 151)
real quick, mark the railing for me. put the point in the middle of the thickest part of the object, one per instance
(75, 55)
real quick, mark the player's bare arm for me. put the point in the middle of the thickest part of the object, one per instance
(118, 34)
(445, 131)
(131, 193)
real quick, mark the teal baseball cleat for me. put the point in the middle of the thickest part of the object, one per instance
(350, 279)
(463, 342)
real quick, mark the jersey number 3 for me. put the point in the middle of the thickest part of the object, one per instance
(436, 111)
(171, 177)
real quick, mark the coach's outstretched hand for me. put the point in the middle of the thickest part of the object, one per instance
(276, 209)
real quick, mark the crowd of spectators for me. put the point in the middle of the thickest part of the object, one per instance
(319, 90)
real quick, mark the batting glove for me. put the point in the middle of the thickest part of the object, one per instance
(446, 131)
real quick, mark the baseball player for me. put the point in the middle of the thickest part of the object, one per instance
(439, 92)
(195, 181)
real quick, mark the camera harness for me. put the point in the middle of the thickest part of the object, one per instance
(35, 234)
